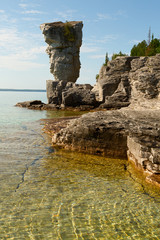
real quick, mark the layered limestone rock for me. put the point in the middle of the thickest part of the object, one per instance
(113, 82)
(96, 133)
(145, 82)
(64, 41)
(69, 94)
(133, 131)
(129, 80)
(116, 133)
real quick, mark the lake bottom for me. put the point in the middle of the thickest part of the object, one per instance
(55, 194)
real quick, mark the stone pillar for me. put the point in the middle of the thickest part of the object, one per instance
(64, 41)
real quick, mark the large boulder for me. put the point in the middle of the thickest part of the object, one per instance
(54, 91)
(70, 94)
(78, 94)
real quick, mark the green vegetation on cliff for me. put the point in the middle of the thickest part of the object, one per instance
(118, 54)
(144, 49)
(68, 32)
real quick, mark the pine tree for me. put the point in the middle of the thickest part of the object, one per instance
(149, 35)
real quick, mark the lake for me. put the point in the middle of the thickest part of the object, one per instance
(55, 194)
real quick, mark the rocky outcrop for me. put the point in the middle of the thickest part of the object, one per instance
(145, 82)
(129, 80)
(113, 82)
(95, 133)
(35, 104)
(117, 133)
(75, 95)
(122, 82)
(64, 41)
(69, 94)
(133, 131)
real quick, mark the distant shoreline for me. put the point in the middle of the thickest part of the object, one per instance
(21, 90)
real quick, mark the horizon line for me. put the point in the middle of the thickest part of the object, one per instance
(23, 89)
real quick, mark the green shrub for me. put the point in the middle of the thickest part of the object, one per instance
(118, 54)
(68, 32)
(97, 76)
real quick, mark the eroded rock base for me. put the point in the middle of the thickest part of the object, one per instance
(117, 133)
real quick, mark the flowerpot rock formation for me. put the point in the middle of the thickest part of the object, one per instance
(64, 41)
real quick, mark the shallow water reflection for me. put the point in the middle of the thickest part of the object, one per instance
(47, 194)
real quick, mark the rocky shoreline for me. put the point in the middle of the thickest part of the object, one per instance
(125, 100)
(126, 134)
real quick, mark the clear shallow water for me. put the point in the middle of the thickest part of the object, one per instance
(47, 194)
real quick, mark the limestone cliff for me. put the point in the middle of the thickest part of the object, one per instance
(130, 80)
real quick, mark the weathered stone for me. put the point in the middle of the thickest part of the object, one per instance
(64, 40)
(145, 81)
(31, 104)
(77, 94)
(113, 82)
(70, 94)
(116, 133)
(95, 133)
(129, 80)
(54, 91)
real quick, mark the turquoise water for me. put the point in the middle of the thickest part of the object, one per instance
(54, 194)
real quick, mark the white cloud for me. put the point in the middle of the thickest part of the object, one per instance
(32, 12)
(31, 53)
(30, 19)
(17, 51)
(13, 62)
(9, 38)
(114, 16)
(2, 11)
(121, 13)
(98, 56)
(88, 49)
(23, 5)
(4, 18)
(134, 41)
(102, 16)
(66, 15)
(102, 40)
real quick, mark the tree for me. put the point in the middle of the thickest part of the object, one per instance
(118, 54)
(149, 35)
(149, 48)
(139, 49)
(153, 48)
(106, 59)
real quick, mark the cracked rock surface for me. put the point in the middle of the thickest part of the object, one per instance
(116, 133)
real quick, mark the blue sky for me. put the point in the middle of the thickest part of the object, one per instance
(109, 26)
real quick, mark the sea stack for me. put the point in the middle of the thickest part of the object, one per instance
(64, 41)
